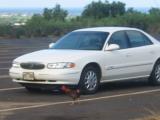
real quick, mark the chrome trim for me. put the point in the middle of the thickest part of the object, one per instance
(146, 76)
(76, 72)
(126, 66)
(13, 73)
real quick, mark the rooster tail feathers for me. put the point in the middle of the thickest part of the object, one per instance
(65, 89)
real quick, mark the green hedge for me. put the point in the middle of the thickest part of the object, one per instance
(39, 26)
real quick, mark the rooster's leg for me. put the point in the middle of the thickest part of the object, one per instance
(73, 102)
(78, 101)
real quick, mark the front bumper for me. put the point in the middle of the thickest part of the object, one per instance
(47, 76)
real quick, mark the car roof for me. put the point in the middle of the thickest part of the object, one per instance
(106, 29)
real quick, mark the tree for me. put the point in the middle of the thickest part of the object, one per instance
(56, 13)
(47, 14)
(155, 11)
(117, 8)
(97, 10)
(35, 26)
(59, 13)
(131, 11)
(104, 9)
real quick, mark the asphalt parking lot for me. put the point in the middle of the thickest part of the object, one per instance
(125, 100)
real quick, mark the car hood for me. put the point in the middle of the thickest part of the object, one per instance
(50, 56)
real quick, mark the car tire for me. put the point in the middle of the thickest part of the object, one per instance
(154, 78)
(89, 80)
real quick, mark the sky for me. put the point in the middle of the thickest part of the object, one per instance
(71, 3)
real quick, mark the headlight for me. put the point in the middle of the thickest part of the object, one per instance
(16, 65)
(60, 65)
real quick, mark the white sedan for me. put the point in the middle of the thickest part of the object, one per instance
(87, 57)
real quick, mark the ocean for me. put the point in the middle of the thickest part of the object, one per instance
(31, 11)
(71, 11)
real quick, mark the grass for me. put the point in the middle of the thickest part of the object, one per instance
(153, 116)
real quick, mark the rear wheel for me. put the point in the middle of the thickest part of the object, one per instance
(155, 75)
(89, 81)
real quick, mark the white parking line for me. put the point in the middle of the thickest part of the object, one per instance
(5, 62)
(3, 51)
(4, 68)
(7, 57)
(7, 89)
(4, 76)
(24, 47)
(11, 54)
(83, 100)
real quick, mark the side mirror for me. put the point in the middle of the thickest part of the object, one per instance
(51, 45)
(112, 47)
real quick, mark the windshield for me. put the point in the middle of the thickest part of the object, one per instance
(82, 41)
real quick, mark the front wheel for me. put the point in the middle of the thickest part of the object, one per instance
(89, 81)
(155, 75)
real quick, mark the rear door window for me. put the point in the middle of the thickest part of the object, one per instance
(138, 39)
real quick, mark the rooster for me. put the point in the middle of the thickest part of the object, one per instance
(74, 94)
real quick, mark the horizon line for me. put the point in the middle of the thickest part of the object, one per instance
(62, 7)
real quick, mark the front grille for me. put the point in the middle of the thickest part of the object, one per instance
(32, 66)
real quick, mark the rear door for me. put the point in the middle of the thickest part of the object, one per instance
(140, 55)
(134, 58)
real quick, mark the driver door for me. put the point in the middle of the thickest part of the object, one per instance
(116, 61)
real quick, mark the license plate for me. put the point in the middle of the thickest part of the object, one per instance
(28, 76)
